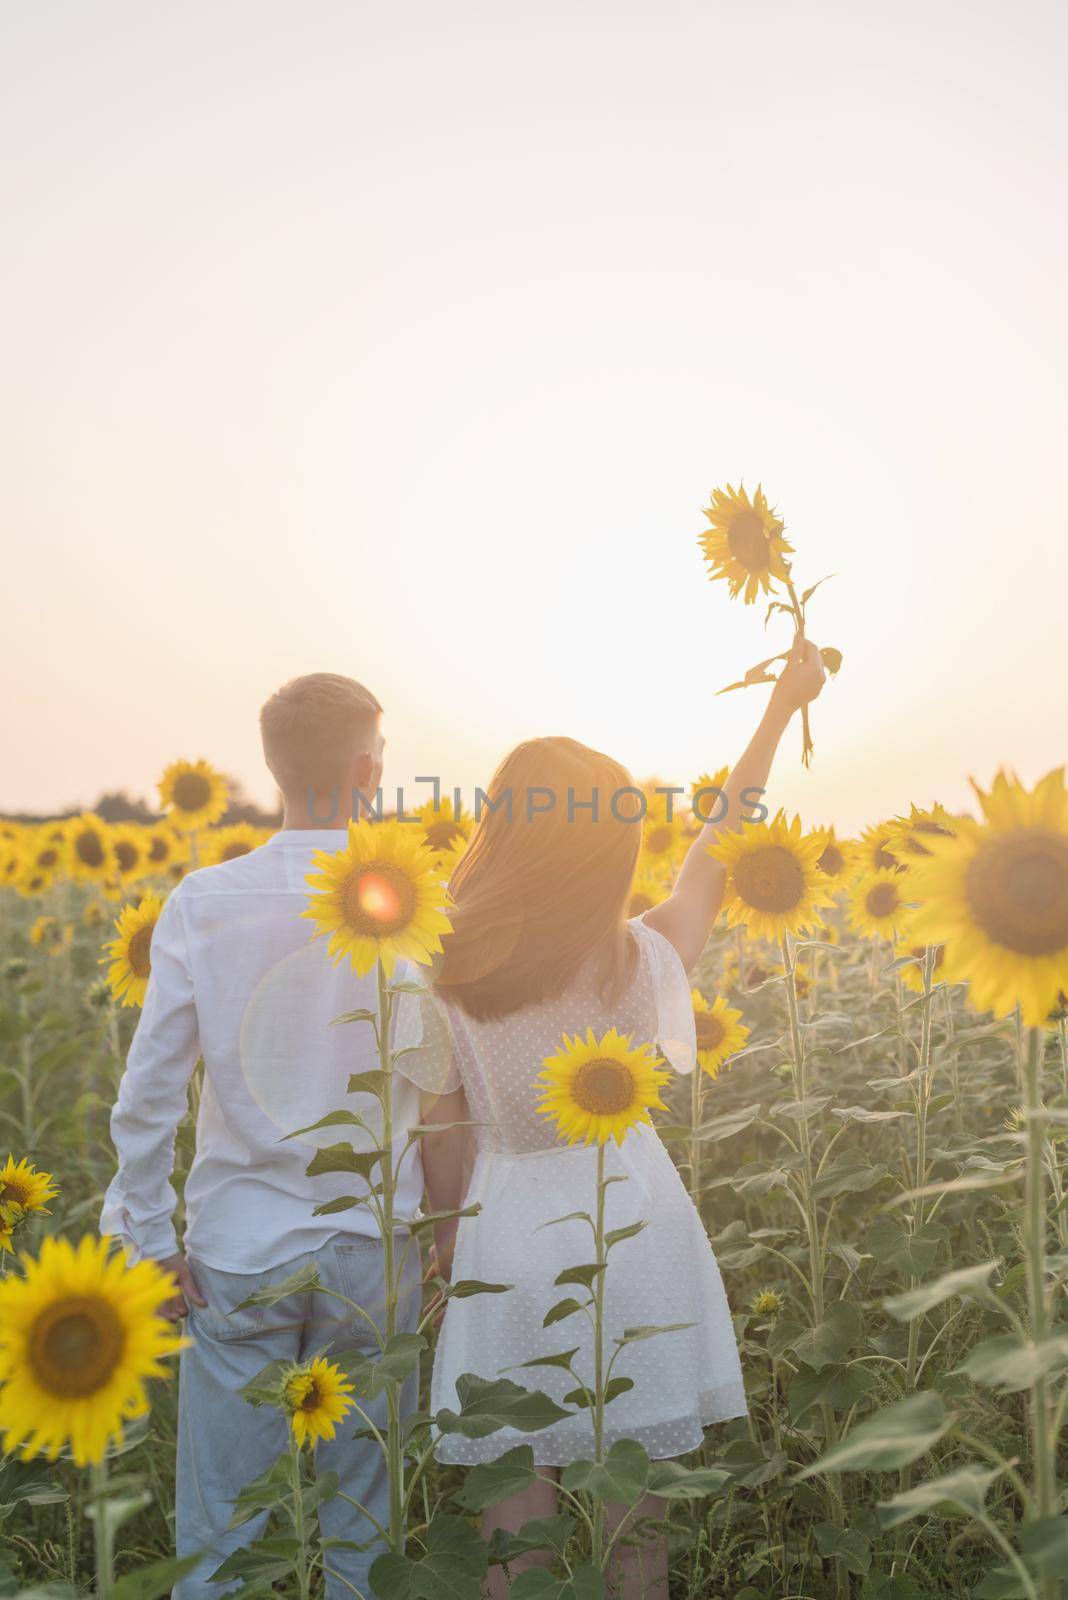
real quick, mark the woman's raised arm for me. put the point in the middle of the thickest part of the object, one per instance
(689, 913)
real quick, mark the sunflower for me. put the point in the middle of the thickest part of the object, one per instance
(879, 905)
(226, 844)
(996, 894)
(774, 884)
(838, 858)
(90, 852)
(130, 953)
(94, 914)
(380, 898)
(79, 1336)
(648, 889)
(663, 839)
(44, 852)
(131, 851)
(874, 848)
(164, 844)
(52, 935)
(23, 1190)
(598, 1089)
(193, 794)
(914, 832)
(443, 828)
(744, 542)
(720, 1032)
(912, 975)
(315, 1399)
(10, 860)
(30, 881)
(703, 804)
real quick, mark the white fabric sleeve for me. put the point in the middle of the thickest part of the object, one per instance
(139, 1204)
(421, 1029)
(676, 1033)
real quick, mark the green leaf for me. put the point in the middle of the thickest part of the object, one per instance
(621, 1480)
(369, 1082)
(558, 1312)
(465, 1288)
(264, 1389)
(831, 1339)
(537, 1583)
(837, 1386)
(362, 1015)
(635, 1335)
(1007, 1363)
(582, 1275)
(617, 1235)
(583, 1398)
(272, 1488)
(540, 1533)
(302, 1281)
(343, 1158)
(862, 1114)
(562, 1359)
(894, 1437)
(845, 1545)
(893, 1245)
(342, 1202)
(670, 1480)
(487, 1405)
(452, 1568)
(964, 1490)
(493, 1481)
(430, 1218)
(848, 1175)
(264, 1561)
(158, 1578)
(333, 1119)
(1045, 1544)
(924, 1298)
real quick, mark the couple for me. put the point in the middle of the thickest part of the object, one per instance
(541, 946)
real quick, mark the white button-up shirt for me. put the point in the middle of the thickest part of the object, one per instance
(238, 978)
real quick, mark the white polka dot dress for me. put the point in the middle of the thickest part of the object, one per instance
(523, 1178)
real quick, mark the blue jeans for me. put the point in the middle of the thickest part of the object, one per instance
(223, 1442)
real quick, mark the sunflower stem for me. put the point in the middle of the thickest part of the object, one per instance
(298, 1517)
(598, 1355)
(394, 1441)
(1045, 1489)
(103, 1531)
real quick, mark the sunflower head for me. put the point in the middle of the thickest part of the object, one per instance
(315, 1398)
(445, 829)
(598, 1089)
(912, 836)
(838, 858)
(875, 848)
(774, 884)
(130, 952)
(193, 794)
(380, 898)
(80, 1335)
(995, 892)
(227, 844)
(744, 542)
(706, 796)
(880, 905)
(720, 1032)
(90, 849)
(23, 1191)
(767, 1303)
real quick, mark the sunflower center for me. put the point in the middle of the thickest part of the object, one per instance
(440, 835)
(139, 953)
(748, 541)
(831, 861)
(770, 879)
(659, 839)
(75, 1345)
(378, 900)
(48, 858)
(158, 850)
(125, 854)
(603, 1087)
(710, 1031)
(14, 1193)
(882, 858)
(191, 791)
(882, 899)
(89, 849)
(232, 851)
(1017, 887)
(312, 1400)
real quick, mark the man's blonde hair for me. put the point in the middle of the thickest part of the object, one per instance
(313, 726)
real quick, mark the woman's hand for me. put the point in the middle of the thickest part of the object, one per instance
(801, 679)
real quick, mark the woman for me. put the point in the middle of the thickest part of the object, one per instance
(541, 946)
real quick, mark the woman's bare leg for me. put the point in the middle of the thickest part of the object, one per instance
(537, 1501)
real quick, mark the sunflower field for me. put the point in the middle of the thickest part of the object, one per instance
(875, 1142)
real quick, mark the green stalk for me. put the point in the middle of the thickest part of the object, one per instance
(303, 1584)
(394, 1441)
(598, 1357)
(922, 1101)
(103, 1532)
(1045, 1491)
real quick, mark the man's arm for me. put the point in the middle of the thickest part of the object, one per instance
(689, 913)
(139, 1204)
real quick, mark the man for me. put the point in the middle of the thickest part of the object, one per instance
(238, 980)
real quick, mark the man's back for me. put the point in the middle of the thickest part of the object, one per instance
(238, 979)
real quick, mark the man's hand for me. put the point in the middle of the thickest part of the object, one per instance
(801, 679)
(188, 1293)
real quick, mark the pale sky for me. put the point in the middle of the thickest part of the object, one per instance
(407, 342)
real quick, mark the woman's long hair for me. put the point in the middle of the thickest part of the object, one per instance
(544, 888)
